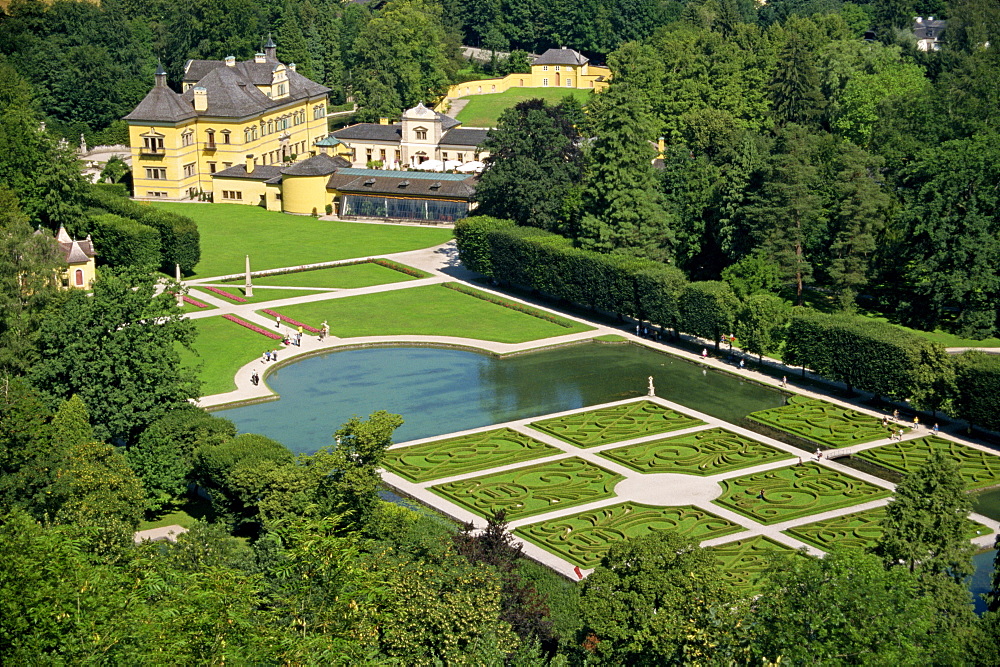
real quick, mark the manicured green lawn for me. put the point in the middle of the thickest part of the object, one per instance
(821, 422)
(259, 296)
(193, 509)
(744, 562)
(429, 310)
(273, 240)
(351, 276)
(466, 453)
(533, 489)
(794, 492)
(484, 110)
(978, 469)
(615, 423)
(584, 538)
(222, 347)
(858, 530)
(709, 452)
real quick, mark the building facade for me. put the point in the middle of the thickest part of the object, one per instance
(229, 112)
(556, 68)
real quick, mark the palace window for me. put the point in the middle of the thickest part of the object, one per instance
(461, 157)
(270, 126)
(382, 155)
(152, 144)
(397, 156)
(444, 157)
(545, 68)
(79, 277)
(156, 194)
(225, 136)
(420, 133)
(227, 165)
(545, 82)
(189, 170)
(232, 194)
(557, 68)
(210, 139)
(156, 173)
(186, 138)
(319, 112)
(368, 154)
(211, 167)
(569, 82)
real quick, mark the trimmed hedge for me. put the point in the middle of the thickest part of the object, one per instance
(179, 239)
(707, 309)
(978, 379)
(864, 353)
(124, 242)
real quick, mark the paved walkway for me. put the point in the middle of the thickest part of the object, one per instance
(668, 490)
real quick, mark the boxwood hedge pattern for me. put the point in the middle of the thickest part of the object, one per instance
(821, 422)
(467, 453)
(794, 492)
(615, 423)
(583, 539)
(857, 530)
(708, 452)
(979, 469)
(531, 490)
(745, 561)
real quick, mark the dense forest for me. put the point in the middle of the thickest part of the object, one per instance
(797, 158)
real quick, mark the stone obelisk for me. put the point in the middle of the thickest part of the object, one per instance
(249, 285)
(177, 275)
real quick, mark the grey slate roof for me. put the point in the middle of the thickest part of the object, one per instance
(403, 184)
(317, 165)
(232, 92)
(562, 56)
(929, 29)
(261, 172)
(464, 136)
(447, 122)
(371, 132)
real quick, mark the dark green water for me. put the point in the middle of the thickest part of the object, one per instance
(987, 503)
(440, 391)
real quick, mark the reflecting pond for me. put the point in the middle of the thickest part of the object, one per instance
(440, 391)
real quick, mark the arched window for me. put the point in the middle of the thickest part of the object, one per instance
(78, 278)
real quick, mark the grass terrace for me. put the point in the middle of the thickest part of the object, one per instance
(467, 453)
(485, 110)
(428, 310)
(979, 469)
(709, 452)
(823, 423)
(583, 539)
(744, 562)
(615, 423)
(795, 492)
(230, 231)
(536, 489)
(220, 349)
(349, 276)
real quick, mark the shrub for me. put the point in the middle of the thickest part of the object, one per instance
(978, 403)
(329, 209)
(124, 242)
(708, 309)
(473, 249)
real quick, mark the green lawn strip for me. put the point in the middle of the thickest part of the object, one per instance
(221, 348)
(350, 276)
(709, 452)
(273, 240)
(611, 338)
(794, 492)
(485, 110)
(744, 562)
(185, 515)
(464, 454)
(979, 469)
(583, 539)
(259, 296)
(858, 530)
(427, 310)
(616, 423)
(531, 490)
(821, 422)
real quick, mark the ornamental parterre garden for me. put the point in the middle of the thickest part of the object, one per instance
(627, 469)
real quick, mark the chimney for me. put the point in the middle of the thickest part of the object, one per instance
(161, 76)
(271, 50)
(200, 99)
(250, 163)
(230, 61)
(918, 19)
(291, 66)
(259, 58)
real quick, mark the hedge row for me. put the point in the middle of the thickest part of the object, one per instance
(178, 234)
(124, 242)
(863, 353)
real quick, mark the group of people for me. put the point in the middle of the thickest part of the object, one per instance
(897, 434)
(270, 355)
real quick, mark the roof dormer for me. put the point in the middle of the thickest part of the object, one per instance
(279, 82)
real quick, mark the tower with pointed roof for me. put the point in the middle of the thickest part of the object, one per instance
(226, 110)
(81, 267)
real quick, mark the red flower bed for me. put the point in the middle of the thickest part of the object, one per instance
(289, 321)
(253, 327)
(224, 293)
(194, 302)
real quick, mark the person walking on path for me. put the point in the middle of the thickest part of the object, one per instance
(277, 322)
(784, 380)
(266, 356)
(324, 330)
(704, 353)
(255, 379)
(274, 355)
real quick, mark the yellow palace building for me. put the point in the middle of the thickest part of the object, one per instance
(259, 111)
